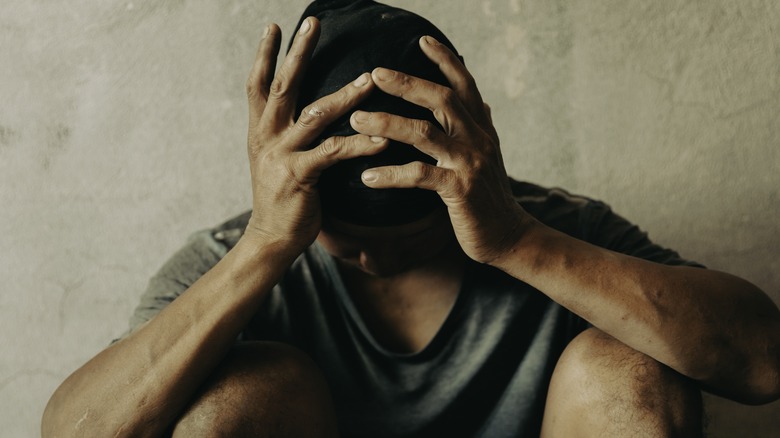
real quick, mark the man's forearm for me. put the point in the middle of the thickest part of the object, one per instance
(138, 386)
(710, 326)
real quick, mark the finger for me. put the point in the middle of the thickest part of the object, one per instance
(317, 116)
(458, 76)
(412, 175)
(442, 101)
(283, 91)
(421, 134)
(259, 81)
(312, 162)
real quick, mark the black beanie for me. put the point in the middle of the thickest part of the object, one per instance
(356, 37)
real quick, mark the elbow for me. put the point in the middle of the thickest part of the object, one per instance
(764, 372)
(753, 391)
(747, 377)
(757, 392)
(60, 418)
(764, 381)
(48, 423)
(53, 423)
(52, 420)
(756, 381)
(63, 421)
(69, 423)
(66, 416)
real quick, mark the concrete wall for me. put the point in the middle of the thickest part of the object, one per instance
(122, 130)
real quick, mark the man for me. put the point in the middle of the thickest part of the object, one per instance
(381, 291)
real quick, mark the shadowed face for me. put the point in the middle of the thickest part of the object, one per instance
(387, 251)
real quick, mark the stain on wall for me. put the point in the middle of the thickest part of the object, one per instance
(8, 137)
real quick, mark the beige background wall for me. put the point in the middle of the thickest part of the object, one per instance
(122, 129)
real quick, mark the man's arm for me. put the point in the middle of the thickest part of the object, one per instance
(139, 386)
(713, 327)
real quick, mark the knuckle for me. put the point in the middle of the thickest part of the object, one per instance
(280, 86)
(329, 148)
(346, 98)
(295, 165)
(309, 116)
(449, 98)
(343, 96)
(327, 104)
(468, 81)
(444, 119)
(421, 172)
(405, 84)
(254, 91)
(424, 130)
(251, 88)
(405, 80)
(461, 74)
(293, 171)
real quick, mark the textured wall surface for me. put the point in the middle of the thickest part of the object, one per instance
(122, 129)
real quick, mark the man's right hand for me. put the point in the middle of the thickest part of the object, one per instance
(286, 207)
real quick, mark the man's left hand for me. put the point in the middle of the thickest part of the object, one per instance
(469, 174)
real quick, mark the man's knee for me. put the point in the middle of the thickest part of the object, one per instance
(599, 362)
(261, 389)
(601, 381)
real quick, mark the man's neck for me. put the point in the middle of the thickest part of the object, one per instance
(405, 311)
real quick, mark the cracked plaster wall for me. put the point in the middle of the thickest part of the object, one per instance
(122, 129)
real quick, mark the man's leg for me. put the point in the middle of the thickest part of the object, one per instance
(603, 388)
(261, 389)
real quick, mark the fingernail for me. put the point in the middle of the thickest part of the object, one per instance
(267, 31)
(369, 176)
(377, 139)
(305, 26)
(361, 116)
(431, 41)
(384, 74)
(361, 80)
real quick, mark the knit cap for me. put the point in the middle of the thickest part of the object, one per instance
(357, 36)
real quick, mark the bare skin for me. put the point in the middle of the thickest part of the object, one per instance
(141, 385)
(603, 388)
(404, 280)
(260, 389)
(710, 326)
(714, 328)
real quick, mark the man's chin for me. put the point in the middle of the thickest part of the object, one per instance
(378, 270)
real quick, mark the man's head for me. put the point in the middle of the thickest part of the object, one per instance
(357, 36)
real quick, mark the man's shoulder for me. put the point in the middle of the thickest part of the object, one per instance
(231, 230)
(529, 194)
(555, 207)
